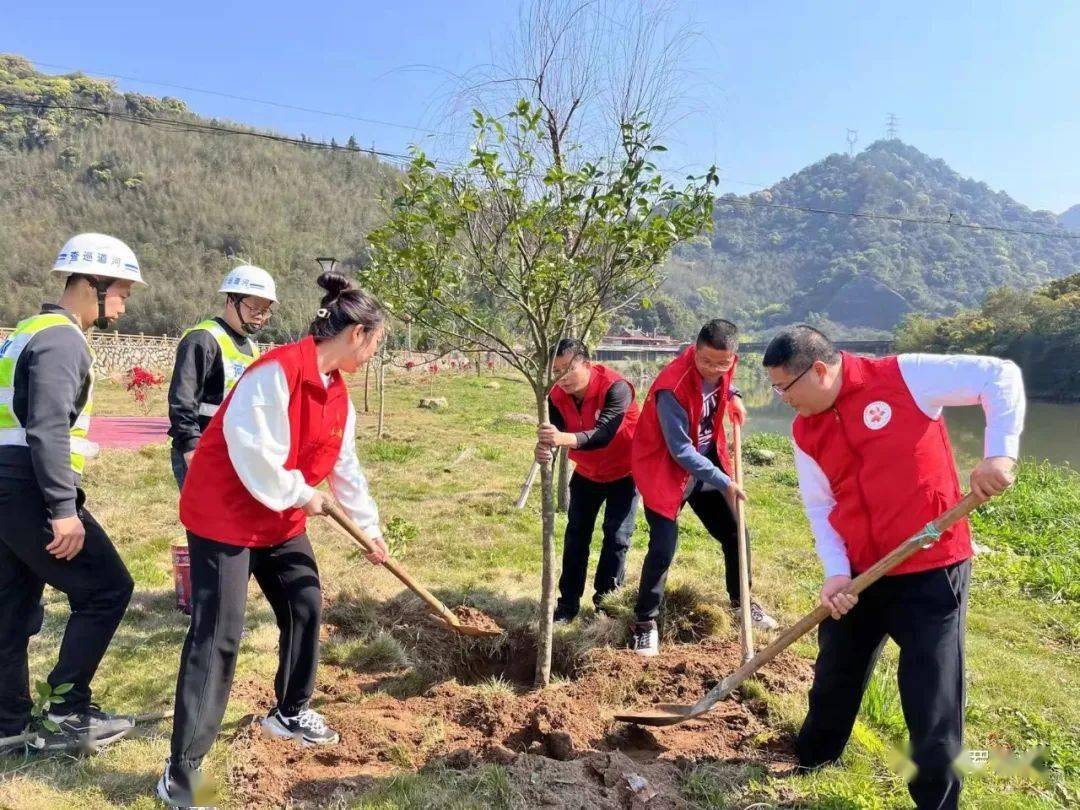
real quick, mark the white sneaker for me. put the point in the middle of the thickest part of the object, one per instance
(645, 639)
(309, 727)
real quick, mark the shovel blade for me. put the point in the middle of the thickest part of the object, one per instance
(663, 714)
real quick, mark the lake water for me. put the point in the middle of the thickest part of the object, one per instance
(1051, 430)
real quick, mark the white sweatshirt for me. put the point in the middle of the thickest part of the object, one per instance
(257, 435)
(935, 381)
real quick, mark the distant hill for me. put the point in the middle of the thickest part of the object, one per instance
(1071, 218)
(190, 205)
(767, 264)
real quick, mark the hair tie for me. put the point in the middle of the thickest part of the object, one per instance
(322, 314)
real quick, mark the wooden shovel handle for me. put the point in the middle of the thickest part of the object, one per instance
(857, 586)
(744, 552)
(361, 537)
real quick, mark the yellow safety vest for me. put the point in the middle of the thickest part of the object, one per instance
(233, 361)
(12, 432)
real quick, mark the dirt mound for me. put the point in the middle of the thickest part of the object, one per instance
(560, 745)
(475, 618)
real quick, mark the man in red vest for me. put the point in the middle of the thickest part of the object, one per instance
(593, 414)
(680, 455)
(875, 466)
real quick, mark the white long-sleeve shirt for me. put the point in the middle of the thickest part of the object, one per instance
(257, 435)
(935, 381)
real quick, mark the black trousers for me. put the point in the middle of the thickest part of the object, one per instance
(713, 509)
(586, 498)
(179, 466)
(289, 578)
(96, 583)
(925, 614)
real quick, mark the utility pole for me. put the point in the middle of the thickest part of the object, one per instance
(852, 139)
(892, 127)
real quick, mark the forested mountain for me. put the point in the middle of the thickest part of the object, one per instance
(768, 264)
(193, 203)
(1071, 219)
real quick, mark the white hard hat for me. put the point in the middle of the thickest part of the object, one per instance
(247, 279)
(95, 254)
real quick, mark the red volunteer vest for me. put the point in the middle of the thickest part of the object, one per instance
(659, 479)
(890, 466)
(214, 502)
(608, 463)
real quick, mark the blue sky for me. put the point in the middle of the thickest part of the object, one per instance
(990, 87)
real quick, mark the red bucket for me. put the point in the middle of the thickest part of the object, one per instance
(181, 563)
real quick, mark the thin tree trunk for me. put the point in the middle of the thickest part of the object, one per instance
(382, 393)
(564, 483)
(547, 576)
(367, 381)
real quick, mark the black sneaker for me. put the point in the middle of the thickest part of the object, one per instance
(309, 727)
(19, 749)
(91, 729)
(645, 639)
(175, 790)
(563, 615)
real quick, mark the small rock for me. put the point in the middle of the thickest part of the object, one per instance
(433, 403)
(494, 386)
(560, 746)
(501, 755)
(460, 759)
(536, 747)
(520, 418)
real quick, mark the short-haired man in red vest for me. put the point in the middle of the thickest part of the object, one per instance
(593, 414)
(875, 466)
(680, 456)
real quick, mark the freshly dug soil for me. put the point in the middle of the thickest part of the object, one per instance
(560, 745)
(475, 618)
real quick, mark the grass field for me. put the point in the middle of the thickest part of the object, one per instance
(454, 526)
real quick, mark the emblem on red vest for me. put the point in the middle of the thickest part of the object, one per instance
(876, 415)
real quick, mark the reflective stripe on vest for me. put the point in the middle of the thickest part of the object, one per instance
(233, 361)
(13, 432)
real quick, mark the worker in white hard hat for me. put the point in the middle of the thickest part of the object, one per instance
(211, 357)
(46, 534)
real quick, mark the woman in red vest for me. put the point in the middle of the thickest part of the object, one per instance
(287, 426)
(680, 456)
(593, 414)
(875, 466)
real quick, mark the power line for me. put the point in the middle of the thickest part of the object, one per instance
(217, 129)
(892, 127)
(950, 222)
(233, 96)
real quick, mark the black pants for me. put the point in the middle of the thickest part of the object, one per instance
(96, 583)
(713, 509)
(924, 614)
(289, 578)
(586, 498)
(179, 466)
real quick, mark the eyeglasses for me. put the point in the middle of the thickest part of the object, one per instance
(780, 390)
(259, 314)
(558, 375)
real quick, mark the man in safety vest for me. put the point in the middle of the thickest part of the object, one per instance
(680, 456)
(46, 536)
(875, 466)
(593, 414)
(211, 357)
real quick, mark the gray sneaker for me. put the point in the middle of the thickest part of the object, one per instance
(91, 729)
(645, 639)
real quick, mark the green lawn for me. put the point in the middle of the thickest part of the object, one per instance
(457, 529)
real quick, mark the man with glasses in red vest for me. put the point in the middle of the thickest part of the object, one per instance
(593, 414)
(875, 466)
(680, 456)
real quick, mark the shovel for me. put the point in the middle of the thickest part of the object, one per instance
(668, 714)
(530, 479)
(744, 553)
(443, 616)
